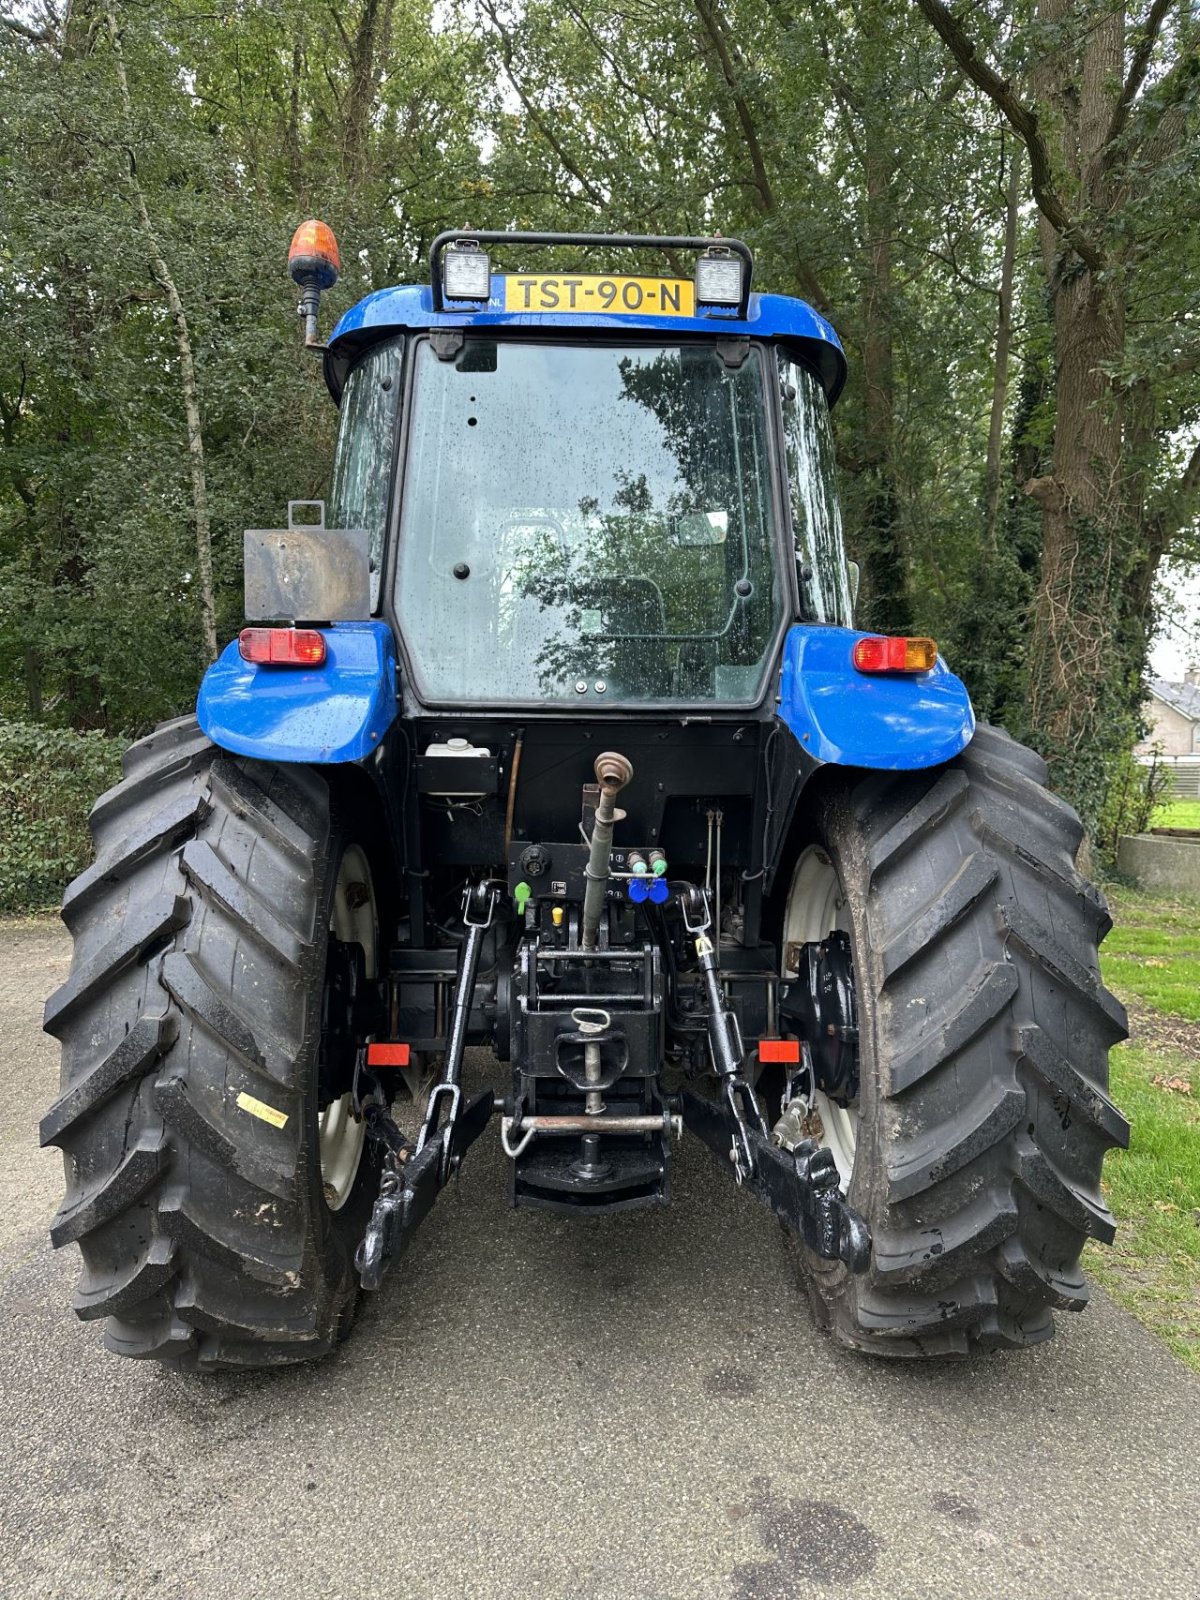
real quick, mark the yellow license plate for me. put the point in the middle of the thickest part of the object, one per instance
(656, 297)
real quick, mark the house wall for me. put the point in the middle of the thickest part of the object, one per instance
(1169, 729)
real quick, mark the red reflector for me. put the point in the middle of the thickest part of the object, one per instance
(388, 1055)
(877, 653)
(282, 647)
(770, 1050)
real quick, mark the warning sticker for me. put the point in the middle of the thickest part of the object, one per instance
(260, 1109)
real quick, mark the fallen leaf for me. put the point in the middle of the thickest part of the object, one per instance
(1164, 1205)
(1173, 1083)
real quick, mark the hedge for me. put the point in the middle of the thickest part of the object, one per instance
(49, 778)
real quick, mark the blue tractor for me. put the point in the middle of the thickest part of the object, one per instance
(555, 735)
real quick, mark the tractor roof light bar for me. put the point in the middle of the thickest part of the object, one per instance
(711, 249)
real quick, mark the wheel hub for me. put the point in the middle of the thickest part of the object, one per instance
(815, 911)
(349, 1014)
(342, 1021)
(821, 1006)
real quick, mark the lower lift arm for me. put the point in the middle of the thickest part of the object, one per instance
(799, 1185)
(413, 1177)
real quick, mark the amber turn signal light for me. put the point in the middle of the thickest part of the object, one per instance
(282, 647)
(878, 653)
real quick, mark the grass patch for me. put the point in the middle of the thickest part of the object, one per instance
(1152, 956)
(1153, 1189)
(1177, 814)
(1153, 951)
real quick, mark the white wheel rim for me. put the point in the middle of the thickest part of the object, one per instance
(340, 1139)
(816, 906)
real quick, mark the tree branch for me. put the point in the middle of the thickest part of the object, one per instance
(1024, 122)
(1136, 76)
(1179, 503)
(711, 21)
(1187, 361)
(183, 343)
(506, 50)
(34, 35)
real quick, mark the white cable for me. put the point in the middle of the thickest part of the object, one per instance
(720, 820)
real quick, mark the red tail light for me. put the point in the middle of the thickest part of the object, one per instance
(282, 647)
(877, 653)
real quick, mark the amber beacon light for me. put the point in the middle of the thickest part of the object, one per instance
(313, 264)
(878, 653)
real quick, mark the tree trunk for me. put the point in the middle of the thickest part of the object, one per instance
(187, 367)
(294, 162)
(1004, 311)
(33, 681)
(1075, 668)
(368, 52)
(1085, 548)
(881, 543)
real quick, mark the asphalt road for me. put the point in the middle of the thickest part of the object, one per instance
(637, 1409)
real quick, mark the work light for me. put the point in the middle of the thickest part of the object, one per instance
(718, 278)
(466, 272)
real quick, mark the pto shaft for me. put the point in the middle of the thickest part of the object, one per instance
(613, 772)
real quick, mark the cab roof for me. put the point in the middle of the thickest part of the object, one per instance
(409, 307)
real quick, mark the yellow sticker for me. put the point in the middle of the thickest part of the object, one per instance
(259, 1108)
(588, 292)
(703, 945)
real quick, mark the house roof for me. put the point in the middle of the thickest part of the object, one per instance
(1181, 697)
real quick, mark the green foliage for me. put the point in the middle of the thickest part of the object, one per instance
(1133, 795)
(246, 120)
(865, 168)
(48, 781)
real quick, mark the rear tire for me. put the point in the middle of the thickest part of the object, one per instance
(984, 1037)
(190, 1027)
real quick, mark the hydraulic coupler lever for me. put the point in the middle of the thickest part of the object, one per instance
(412, 1178)
(800, 1185)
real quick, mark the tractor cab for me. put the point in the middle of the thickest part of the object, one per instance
(585, 493)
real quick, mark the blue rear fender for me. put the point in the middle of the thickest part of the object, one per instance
(336, 712)
(853, 719)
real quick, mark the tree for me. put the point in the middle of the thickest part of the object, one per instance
(1104, 100)
(153, 170)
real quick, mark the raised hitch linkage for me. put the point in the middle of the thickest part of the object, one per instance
(795, 1177)
(799, 1184)
(413, 1175)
